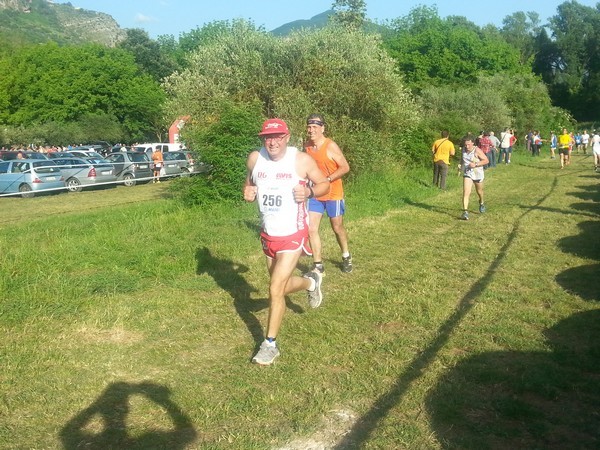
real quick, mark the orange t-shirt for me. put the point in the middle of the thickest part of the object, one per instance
(327, 166)
(157, 158)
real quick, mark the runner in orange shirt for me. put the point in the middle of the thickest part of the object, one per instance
(333, 165)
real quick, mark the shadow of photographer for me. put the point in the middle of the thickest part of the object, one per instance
(103, 424)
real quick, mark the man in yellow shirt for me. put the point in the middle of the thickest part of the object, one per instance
(564, 140)
(442, 149)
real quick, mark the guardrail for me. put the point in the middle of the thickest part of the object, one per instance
(101, 184)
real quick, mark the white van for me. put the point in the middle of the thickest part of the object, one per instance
(164, 146)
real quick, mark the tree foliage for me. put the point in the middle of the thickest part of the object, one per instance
(52, 84)
(349, 13)
(519, 30)
(434, 51)
(339, 72)
(570, 63)
(150, 56)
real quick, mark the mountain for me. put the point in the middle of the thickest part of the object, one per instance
(37, 21)
(318, 21)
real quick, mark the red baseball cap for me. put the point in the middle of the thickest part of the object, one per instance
(274, 126)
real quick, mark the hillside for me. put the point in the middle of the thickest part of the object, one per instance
(37, 21)
(318, 21)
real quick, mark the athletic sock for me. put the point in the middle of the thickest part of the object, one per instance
(271, 341)
(345, 255)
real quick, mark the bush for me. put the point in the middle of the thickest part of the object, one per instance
(223, 144)
(344, 74)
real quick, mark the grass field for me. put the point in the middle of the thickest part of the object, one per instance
(129, 321)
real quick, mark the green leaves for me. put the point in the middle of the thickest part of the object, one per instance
(48, 83)
(340, 72)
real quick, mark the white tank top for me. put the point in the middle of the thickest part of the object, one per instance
(281, 215)
(475, 173)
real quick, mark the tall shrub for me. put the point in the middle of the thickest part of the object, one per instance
(344, 74)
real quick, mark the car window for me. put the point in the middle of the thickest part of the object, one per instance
(45, 167)
(4, 167)
(139, 157)
(20, 167)
(116, 157)
(97, 160)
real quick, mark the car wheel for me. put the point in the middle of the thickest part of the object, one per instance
(185, 172)
(128, 180)
(26, 191)
(74, 185)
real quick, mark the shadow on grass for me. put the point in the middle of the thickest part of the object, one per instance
(104, 424)
(452, 212)
(582, 280)
(524, 400)
(365, 425)
(228, 275)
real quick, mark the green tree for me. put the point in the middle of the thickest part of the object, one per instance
(434, 51)
(572, 66)
(520, 30)
(48, 83)
(153, 59)
(342, 73)
(349, 13)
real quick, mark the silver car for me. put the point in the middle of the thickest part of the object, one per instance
(30, 176)
(83, 172)
(131, 167)
(187, 162)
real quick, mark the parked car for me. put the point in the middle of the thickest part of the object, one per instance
(164, 147)
(102, 147)
(120, 147)
(80, 173)
(55, 155)
(91, 148)
(13, 154)
(131, 167)
(187, 162)
(30, 176)
(86, 154)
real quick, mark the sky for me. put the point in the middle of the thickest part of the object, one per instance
(160, 17)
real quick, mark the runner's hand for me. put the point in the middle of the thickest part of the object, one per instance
(250, 193)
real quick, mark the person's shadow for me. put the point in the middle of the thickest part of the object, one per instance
(525, 400)
(228, 275)
(103, 424)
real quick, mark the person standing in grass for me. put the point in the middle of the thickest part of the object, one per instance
(333, 165)
(553, 144)
(442, 150)
(473, 160)
(493, 149)
(505, 146)
(596, 149)
(157, 159)
(278, 177)
(564, 143)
